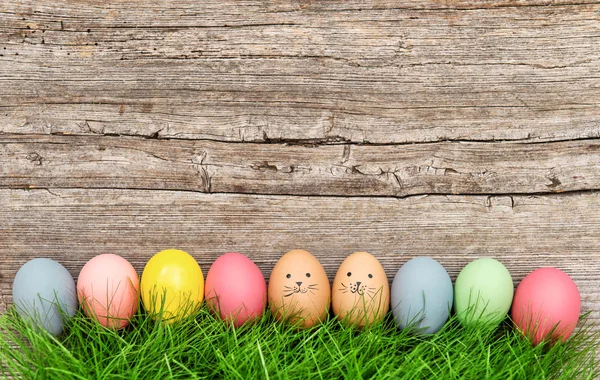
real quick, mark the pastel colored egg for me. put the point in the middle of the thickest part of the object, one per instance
(172, 285)
(235, 289)
(483, 292)
(299, 290)
(547, 304)
(361, 292)
(44, 294)
(422, 295)
(108, 290)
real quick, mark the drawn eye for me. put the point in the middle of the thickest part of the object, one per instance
(308, 275)
(349, 274)
(288, 275)
(370, 275)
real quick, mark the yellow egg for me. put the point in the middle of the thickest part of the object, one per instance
(299, 291)
(172, 285)
(361, 291)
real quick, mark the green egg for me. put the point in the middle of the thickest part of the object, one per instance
(483, 292)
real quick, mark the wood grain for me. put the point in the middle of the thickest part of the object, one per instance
(524, 232)
(338, 170)
(368, 72)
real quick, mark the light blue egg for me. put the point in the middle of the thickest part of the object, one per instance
(44, 293)
(422, 295)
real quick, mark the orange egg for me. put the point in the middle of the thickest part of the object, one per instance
(299, 291)
(361, 291)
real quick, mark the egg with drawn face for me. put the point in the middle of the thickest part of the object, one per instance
(299, 291)
(361, 291)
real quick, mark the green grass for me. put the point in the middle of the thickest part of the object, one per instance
(204, 347)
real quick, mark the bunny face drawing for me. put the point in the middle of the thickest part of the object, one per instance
(303, 287)
(361, 291)
(299, 290)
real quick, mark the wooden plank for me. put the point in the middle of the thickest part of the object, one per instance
(524, 232)
(373, 71)
(340, 170)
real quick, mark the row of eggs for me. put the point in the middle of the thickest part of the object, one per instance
(172, 286)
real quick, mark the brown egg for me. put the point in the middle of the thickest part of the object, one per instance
(299, 291)
(361, 291)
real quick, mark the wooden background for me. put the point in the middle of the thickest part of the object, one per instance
(454, 129)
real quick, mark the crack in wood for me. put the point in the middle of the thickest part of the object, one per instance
(202, 172)
(566, 193)
(346, 153)
(308, 142)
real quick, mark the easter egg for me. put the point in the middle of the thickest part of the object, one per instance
(299, 291)
(422, 295)
(107, 288)
(235, 289)
(547, 304)
(172, 285)
(44, 294)
(483, 292)
(361, 293)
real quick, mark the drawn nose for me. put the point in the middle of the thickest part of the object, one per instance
(357, 284)
(299, 283)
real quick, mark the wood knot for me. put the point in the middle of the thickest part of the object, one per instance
(35, 158)
(262, 166)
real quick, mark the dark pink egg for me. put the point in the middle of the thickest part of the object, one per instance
(235, 289)
(547, 304)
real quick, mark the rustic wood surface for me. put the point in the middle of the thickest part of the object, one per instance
(455, 129)
(371, 71)
(525, 232)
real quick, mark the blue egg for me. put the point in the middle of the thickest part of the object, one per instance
(44, 293)
(422, 295)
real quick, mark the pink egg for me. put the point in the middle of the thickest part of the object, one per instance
(547, 301)
(235, 289)
(107, 288)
